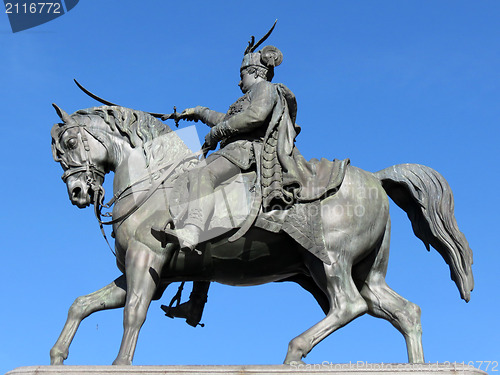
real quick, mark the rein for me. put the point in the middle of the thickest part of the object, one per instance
(154, 187)
(98, 199)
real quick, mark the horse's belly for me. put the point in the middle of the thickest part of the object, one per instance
(259, 257)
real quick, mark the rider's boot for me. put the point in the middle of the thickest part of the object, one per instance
(188, 236)
(191, 310)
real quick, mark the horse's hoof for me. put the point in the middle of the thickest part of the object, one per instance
(122, 362)
(295, 363)
(57, 357)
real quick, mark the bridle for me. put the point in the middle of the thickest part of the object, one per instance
(91, 170)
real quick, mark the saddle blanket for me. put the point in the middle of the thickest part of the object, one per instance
(233, 202)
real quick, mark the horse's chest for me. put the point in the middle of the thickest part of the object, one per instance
(137, 228)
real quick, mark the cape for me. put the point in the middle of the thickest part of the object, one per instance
(286, 176)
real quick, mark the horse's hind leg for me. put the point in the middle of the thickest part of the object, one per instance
(346, 304)
(110, 297)
(385, 303)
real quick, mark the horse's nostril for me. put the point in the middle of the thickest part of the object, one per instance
(75, 193)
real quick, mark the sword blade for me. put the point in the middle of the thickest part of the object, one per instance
(93, 96)
(106, 102)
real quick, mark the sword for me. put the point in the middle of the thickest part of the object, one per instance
(175, 115)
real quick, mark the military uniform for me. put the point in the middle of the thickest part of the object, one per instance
(247, 120)
(259, 129)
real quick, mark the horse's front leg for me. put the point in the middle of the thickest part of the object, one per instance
(111, 296)
(143, 269)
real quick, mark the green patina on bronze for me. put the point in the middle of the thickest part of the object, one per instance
(253, 212)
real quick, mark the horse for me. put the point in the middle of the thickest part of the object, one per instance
(147, 157)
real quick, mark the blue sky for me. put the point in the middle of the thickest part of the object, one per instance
(381, 82)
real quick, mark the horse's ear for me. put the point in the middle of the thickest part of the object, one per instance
(62, 114)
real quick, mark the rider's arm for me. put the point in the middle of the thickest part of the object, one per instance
(208, 116)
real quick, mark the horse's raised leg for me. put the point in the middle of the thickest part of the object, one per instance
(385, 303)
(346, 304)
(143, 269)
(111, 296)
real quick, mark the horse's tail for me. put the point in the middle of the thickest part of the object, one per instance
(427, 199)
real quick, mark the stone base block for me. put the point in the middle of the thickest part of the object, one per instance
(316, 369)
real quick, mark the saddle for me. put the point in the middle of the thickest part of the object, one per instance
(236, 198)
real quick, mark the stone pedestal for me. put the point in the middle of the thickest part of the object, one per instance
(316, 369)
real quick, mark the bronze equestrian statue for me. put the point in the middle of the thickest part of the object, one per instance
(295, 218)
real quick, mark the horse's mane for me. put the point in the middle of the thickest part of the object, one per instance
(138, 127)
(132, 123)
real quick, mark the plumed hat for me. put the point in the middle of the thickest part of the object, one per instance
(268, 57)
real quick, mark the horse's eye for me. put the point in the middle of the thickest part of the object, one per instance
(71, 143)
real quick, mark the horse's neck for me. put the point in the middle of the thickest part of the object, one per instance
(137, 163)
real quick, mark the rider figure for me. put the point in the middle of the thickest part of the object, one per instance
(241, 132)
(258, 131)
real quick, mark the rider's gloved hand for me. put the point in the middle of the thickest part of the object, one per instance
(191, 114)
(211, 139)
(217, 133)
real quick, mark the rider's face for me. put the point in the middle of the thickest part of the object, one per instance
(247, 81)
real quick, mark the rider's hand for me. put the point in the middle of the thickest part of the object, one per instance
(189, 114)
(211, 139)
(220, 131)
(166, 116)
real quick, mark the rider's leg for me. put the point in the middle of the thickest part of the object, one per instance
(202, 182)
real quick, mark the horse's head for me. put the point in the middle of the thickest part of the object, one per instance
(82, 155)
(92, 142)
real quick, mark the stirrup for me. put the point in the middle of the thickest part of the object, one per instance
(184, 310)
(191, 310)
